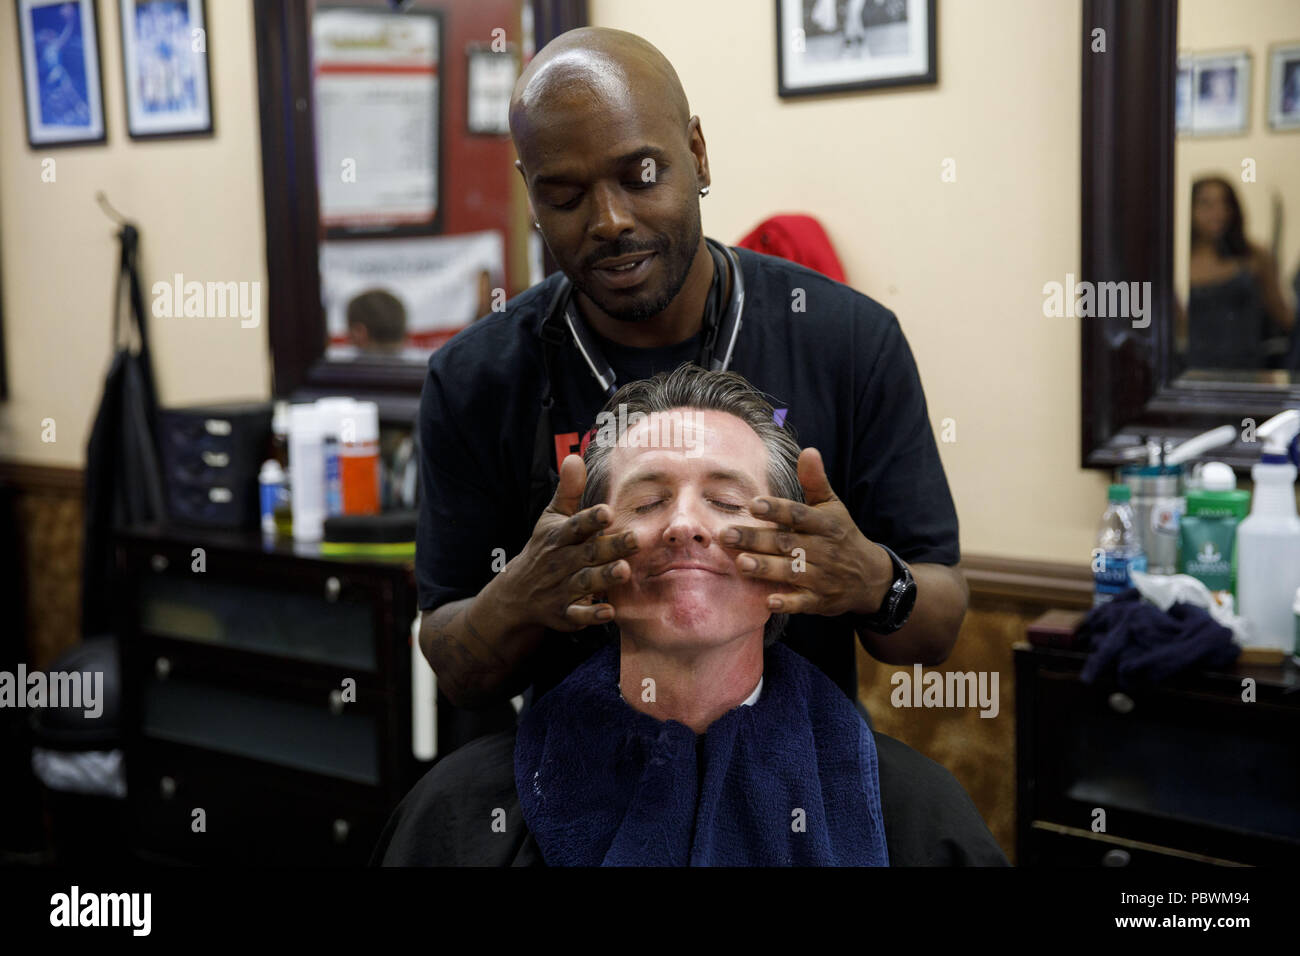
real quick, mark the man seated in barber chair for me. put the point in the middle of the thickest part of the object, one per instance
(689, 736)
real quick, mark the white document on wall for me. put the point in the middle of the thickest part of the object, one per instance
(375, 83)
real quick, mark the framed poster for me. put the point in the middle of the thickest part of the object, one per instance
(165, 70)
(1284, 86)
(1220, 93)
(1183, 96)
(827, 46)
(490, 79)
(63, 92)
(378, 106)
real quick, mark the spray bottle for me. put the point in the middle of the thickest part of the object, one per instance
(1268, 541)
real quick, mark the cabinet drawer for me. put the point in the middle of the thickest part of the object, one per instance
(257, 825)
(323, 738)
(1056, 846)
(322, 625)
(1207, 774)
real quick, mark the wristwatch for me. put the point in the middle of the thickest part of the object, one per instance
(898, 603)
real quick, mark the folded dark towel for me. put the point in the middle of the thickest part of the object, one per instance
(1144, 645)
(791, 780)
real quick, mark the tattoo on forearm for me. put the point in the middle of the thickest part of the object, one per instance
(463, 663)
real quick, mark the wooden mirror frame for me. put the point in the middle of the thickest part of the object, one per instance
(1127, 195)
(296, 324)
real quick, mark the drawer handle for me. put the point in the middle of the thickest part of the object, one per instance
(332, 588)
(341, 829)
(162, 667)
(1121, 703)
(158, 562)
(167, 787)
(215, 459)
(1116, 857)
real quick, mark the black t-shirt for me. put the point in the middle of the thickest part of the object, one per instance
(833, 362)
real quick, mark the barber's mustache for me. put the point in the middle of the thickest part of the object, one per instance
(614, 250)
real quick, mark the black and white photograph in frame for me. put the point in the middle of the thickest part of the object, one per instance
(1284, 86)
(1183, 96)
(165, 70)
(828, 46)
(1220, 94)
(63, 91)
(490, 81)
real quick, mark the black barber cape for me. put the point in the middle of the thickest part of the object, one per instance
(466, 812)
(833, 362)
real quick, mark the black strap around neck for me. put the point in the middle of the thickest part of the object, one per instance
(555, 334)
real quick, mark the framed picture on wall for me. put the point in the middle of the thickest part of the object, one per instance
(1284, 86)
(63, 92)
(1183, 96)
(165, 68)
(826, 46)
(491, 79)
(377, 106)
(1220, 93)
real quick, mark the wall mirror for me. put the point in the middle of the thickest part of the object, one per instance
(1191, 183)
(394, 214)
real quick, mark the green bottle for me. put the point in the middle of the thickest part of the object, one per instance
(1209, 529)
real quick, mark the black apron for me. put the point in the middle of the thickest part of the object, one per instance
(123, 480)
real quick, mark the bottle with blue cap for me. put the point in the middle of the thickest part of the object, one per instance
(1119, 550)
(1268, 541)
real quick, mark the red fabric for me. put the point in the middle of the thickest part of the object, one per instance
(800, 239)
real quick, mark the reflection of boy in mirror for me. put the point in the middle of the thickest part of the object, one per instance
(1236, 317)
(377, 322)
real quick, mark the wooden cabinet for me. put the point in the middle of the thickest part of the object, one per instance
(1187, 772)
(267, 698)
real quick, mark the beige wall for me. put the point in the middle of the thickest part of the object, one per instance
(962, 263)
(1210, 26)
(198, 204)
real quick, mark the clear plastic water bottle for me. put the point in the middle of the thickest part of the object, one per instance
(1118, 548)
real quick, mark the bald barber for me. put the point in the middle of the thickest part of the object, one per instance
(511, 573)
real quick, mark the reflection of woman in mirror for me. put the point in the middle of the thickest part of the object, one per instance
(1236, 317)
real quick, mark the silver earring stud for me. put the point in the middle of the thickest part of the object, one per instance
(704, 190)
(537, 225)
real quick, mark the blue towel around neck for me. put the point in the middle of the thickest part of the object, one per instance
(792, 780)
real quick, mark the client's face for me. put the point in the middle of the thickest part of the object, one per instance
(685, 591)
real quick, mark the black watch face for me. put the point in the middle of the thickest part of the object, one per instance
(906, 599)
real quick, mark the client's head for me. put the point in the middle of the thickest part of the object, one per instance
(678, 458)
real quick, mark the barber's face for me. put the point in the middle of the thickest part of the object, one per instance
(611, 181)
(685, 591)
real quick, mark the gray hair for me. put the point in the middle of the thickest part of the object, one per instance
(693, 387)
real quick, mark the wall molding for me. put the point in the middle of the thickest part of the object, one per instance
(1051, 583)
(31, 478)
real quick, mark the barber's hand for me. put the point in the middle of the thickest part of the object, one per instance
(837, 570)
(555, 580)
